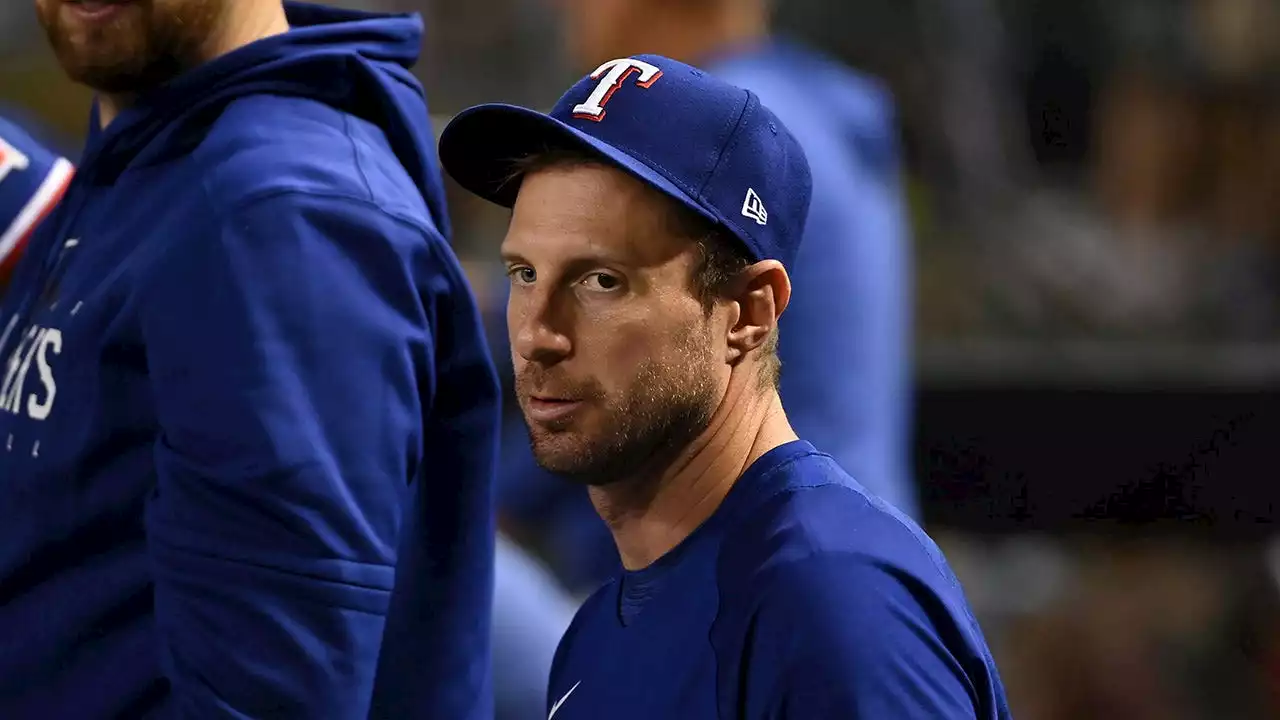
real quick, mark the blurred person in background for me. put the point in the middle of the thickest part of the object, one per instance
(847, 334)
(264, 487)
(32, 181)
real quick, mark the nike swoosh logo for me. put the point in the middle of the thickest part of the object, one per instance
(556, 707)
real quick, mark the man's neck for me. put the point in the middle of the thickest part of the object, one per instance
(700, 30)
(246, 23)
(650, 516)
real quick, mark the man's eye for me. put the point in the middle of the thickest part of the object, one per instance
(522, 274)
(601, 282)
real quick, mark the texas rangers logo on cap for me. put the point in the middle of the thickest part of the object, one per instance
(612, 75)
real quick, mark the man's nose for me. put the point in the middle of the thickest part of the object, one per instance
(538, 329)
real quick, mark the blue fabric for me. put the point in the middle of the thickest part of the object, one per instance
(845, 340)
(801, 597)
(531, 611)
(706, 143)
(249, 413)
(29, 188)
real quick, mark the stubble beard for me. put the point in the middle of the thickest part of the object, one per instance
(145, 45)
(663, 411)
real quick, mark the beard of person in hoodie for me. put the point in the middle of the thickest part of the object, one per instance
(120, 48)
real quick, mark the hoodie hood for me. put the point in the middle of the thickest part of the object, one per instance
(356, 62)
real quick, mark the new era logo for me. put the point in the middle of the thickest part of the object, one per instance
(753, 207)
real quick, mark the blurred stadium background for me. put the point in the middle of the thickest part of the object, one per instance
(1095, 204)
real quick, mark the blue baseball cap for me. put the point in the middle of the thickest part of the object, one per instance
(710, 145)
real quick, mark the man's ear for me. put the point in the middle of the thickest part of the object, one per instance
(761, 292)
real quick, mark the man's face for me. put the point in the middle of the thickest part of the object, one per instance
(617, 364)
(597, 30)
(126, 46)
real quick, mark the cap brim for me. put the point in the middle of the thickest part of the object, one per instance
(481, 146)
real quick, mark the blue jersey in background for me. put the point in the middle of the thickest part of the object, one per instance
(845, 340)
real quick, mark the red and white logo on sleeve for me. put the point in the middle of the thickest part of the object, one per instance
(15, 230)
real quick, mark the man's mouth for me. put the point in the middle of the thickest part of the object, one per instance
(97, 9)
(548, 409)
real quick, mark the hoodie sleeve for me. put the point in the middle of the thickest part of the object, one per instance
(291, 356)
(32, 181)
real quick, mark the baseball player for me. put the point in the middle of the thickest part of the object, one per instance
(655, 213)
(847, 333)
(248, 418)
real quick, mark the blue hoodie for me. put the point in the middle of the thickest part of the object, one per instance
(845, 337)
(245, 377)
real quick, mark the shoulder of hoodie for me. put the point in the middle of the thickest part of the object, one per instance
(270, 145)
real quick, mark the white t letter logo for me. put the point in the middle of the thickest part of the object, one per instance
(611, 76)
(11, 159)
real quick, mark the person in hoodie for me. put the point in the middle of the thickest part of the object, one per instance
(32, 181)
(249, 415)
(846, 337)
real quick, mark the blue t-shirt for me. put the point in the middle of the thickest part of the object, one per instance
(801, 597)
